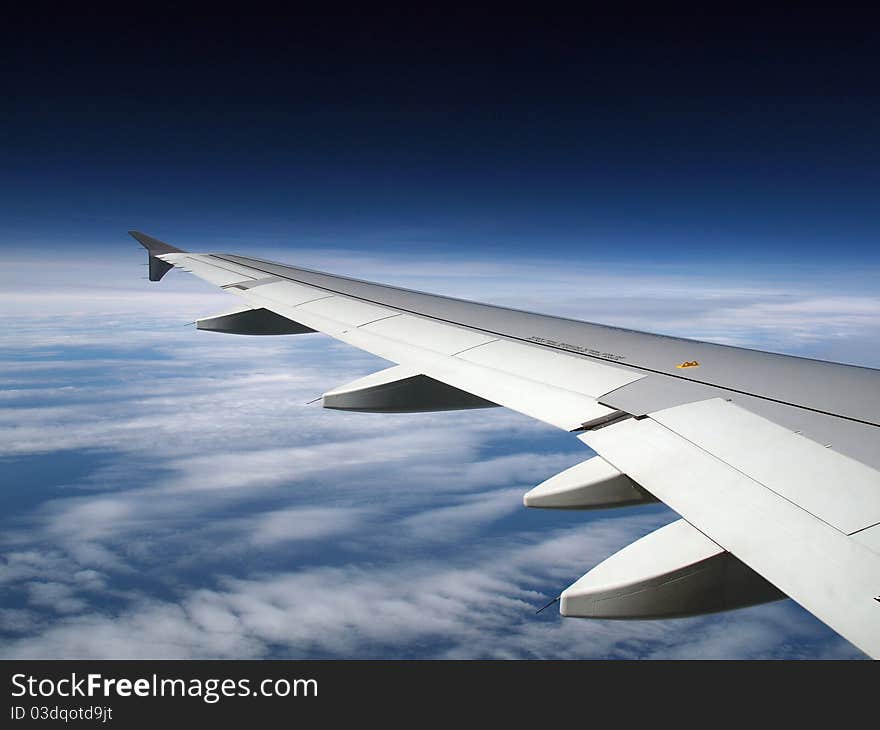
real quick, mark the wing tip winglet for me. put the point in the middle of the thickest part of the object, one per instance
(153, 245)
(155, 248)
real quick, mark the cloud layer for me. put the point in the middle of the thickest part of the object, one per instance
(170, 493)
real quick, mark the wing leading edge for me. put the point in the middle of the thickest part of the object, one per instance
(771, 460)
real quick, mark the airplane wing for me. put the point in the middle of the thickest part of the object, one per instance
(771, 461)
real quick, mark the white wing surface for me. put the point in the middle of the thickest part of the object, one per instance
(772, 461)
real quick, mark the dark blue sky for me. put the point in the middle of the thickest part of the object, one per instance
(655, 138)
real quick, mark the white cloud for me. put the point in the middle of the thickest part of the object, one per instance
(445, 523)
(793, 308)
(221, 516)
(57, 596)
(288, 525)
(480, 604)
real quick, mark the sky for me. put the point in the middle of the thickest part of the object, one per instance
(169, 493)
